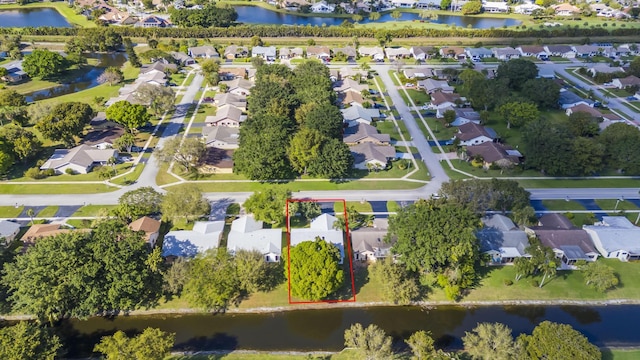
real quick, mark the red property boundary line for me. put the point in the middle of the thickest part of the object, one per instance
(347, 253)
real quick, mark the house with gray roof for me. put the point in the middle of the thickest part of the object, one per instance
(236, 52)
(348, 84)
(505, 53)
(604, 69)
(422, 52)
(161, 66)
(569, 99)
(321, 227)
(569, 243)
(564, 51)
(319, 52)
(182, 58)
(474, 134)
(223, 99)
(395, 53)
(226, 115)
(368, 243)
(80, 159)
(463, 115)
(291, 53)
(363, 133)
(221, 137)
(477, 54)
(268, 53)
(357, 114)
(492, 152)
(248, 234)
(368, 156)
(501, 239)
(349, 52)
(8, 231)
(585, 50)
(238, 86)
(205, 235)
(422, 72)
(15, 73)
(375, 53)
(537, 51)
(205, 51)
(431, 86)
(615, 237)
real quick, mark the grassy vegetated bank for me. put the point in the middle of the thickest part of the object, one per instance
(62, 7)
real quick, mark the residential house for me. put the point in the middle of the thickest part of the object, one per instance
(234, 100)
(502, 240)
(422, 53)
(323, 228)
(291, 53)
(248, 234)
(494, 153)
(585, 50)
(477, 54)
(153, 22)
(221, 137)
(615, 237)
(350, 53)
(182, 58)
(428, 4)
(403, 3)
(350, 72)
(622, 83)
(505, 53)
(369, 156)
(352, 98)
(227, 115)
(80, 159)
(8, 231)
(583, 108)
(205, 51)
(14, 74)
(160, 66)
(235, 52)
(463, 115)
(526, 9)
(151, 228)
(103, 138)
(474, 134)
(375, 53)
(39, 231)
(357, 114)
(441, 100)
(564, 51)
(566, 9)
(267, 53)
(368, 243)
(205, 235)
(293, 5)
(453, 52)
(431, 86)
(569, 99)
(319, 52)
(217, 161)
(536, 51)
(396, 53)
(364, 133)
(237, 86)
(349, 84)
(495, 7)
(228, 74)
(322, 7)
(569, 243)
(604, 69)
(156, 78)
(419, 73)
(116, 17)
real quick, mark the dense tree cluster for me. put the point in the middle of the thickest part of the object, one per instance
(314, 269)
(83, 273)
(209, 16)
(151, 344)
(436, 240)
(131, 116)
(26, 340)
(482, 195)
(44, 64)
(65, 121)
(268, 205)
(293, 126)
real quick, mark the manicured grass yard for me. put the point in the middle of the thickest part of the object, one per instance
(562, 205)
(92, 210)
(49, 211)
(10, 211)
(610, 204)
(44, 188)
(361, 207)
(419, 97)
(310, 185)
(586, 183)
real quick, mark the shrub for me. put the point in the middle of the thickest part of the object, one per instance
(70, 171)
(535, 283)
(50, 172)
(569, 215)
(34, 173)
(508, 282)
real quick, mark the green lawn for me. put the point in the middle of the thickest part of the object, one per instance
(439, 130)
(44, 188)
(127, 179)
(361, 207)
(91, 176)
(10, 211)
(610, 204)
(562, 205)
(49, 211)
(92, 210)
(308, 185)
(614, 354)
(573, 183)
(388, 127)
(419, 97)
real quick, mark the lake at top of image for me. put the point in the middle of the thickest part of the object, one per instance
(32, 17)
(258, 15)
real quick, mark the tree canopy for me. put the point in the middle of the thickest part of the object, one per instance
(315, 270)
(482, 195)
(26, 340)
(65, 121)
(517, 72)
(151, 344)
(131, 116)
(209, 16)
(187, 152)
(599, 276)
(372, 341)
(268, 205)
(551, 340)
(44, 64)
(489, 341)
(139, 202)
(184, 202)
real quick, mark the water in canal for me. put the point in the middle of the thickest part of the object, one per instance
(258, 15)
(306, 330)
(32, 17)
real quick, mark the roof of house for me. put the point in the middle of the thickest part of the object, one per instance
(238, 83)
(361, 131)
(263, 50)
(349, 71)
(418, 50)
(235, 50)
(154, 20)
(349, 84)
(586, 109)
(146, 224)
(397, 51)
(370, 51)
(445, 50)
(569, 97)
(559, 48)
(532, 49)
(226, 134)
(566, 7)
(431, 85)
(347, 50)
(291, 51)
(81, 155)
(617, 233)
(367, 239)
(181, 57)
(14, 67)
(38, 231)
(439, 97)
(501, 234)
(585, 49)
(8, 228)
(472, 130)
(478, 51)
(366, 152)
(230, 99)
(467, 113)
(630, 80)
(226, 112)
(247, 234)
(103, 135)
(320, 227)
(556, 231)
(237, 72)
(418, 72)
(606, 69)
(187, 243)
(205, 50)
(349, 97)
(505, 51)
(157, 66)
(358, 112)
(555, 221)
(492, 152)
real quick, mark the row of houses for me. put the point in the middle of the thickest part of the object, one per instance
(614, 237)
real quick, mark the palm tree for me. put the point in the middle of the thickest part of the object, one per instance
(31, 213)
(396, 14)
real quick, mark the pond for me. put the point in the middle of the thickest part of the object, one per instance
(307, 330)
(34, 17)
(83, 82)
(258, 15)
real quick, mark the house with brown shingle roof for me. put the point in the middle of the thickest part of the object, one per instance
(319, 52)
(454, 52)
(584, 109)
(39, 231)
(226, 115)
(352, 98)
(492, 152)
(364, 133)
(624, 82)
(151, 228)
(227, 74)
(474, 134)
(441, 99)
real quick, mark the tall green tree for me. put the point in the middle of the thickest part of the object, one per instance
(26, 340)
(551, 340)
(151, 344)
(518, 113)
(184, 202)
(548, 149)
(543, 92)
(111, 75)
(187, 152)
(398, 286)
(139, 202)
(209, 69)
(622, 147)
(304, 148)
(371, 341)
(22, 142)
(422, 345)
(482, 195)
(159, 98)
(44, 64)
(213, 284)
(12, 98)
(517, 72)
(334, 160)
(489, 341)
(325, 118)
(65, 121)
(268, 205)
(583, 124)
(543, 259)
(599, 276)
(131, 116)
(588, 156)
(263, 153)
(314, 269)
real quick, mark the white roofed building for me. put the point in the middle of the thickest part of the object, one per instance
(248, 234)
(321, 227)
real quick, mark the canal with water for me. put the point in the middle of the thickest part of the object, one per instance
(306, 330)
(32, 17)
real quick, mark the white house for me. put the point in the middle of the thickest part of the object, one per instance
(376, 53)
(367, 156)
(474, 134)
(80, 159)
(187, 243)
(321, 227)
(495, 7)
(526, 9)
(501, 239)
(505, 53)
(268, 53)
(240, 87)
(431, 86)
(585, 50)
(564, 51)
(477, 54)
(421, 52)
(248, 234)
(397, 53)
(322, 7)
(205, 51)
(357, 114)
(615, 237)
(8, 231)
(624, 82)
